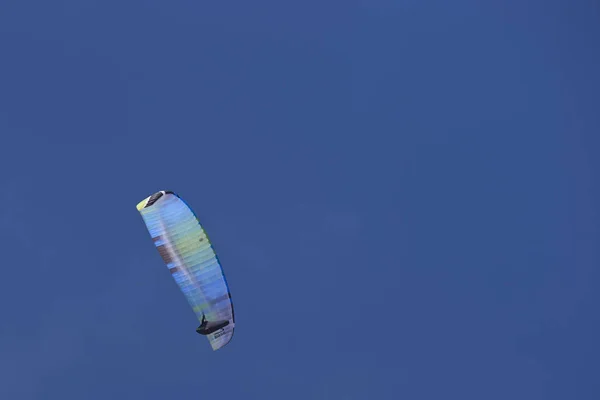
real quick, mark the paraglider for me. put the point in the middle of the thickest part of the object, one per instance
(190, 257)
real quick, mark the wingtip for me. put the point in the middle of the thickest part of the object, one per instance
(142, 203)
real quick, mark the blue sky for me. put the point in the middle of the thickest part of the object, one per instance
(404, 196)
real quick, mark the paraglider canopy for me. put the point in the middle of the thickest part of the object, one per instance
(190, 257)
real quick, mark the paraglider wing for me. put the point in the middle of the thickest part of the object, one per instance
(189, 255)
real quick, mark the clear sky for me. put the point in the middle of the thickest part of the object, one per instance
(404, 196)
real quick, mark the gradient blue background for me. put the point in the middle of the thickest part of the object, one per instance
(404, 195)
